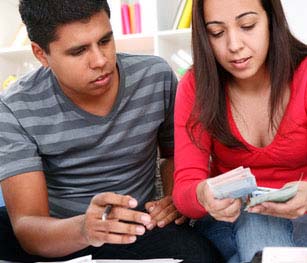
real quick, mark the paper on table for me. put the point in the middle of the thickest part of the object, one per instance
(83, 259)
(284, 255)
(89, 259)
(157, 260)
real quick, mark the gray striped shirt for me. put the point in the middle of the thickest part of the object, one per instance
(82, 154)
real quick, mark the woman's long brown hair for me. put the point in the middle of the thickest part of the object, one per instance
(284, 55)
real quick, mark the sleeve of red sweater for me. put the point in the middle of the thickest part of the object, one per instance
(191, 163)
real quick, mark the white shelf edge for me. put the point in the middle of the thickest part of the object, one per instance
(177, 32)
(10, 50)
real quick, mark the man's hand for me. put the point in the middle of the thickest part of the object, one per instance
(223, 210)
(122, 225)
(295, 207)
(163, 212)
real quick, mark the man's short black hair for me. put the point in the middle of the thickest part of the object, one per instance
(43, 17)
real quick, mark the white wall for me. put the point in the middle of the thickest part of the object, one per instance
(296, 13)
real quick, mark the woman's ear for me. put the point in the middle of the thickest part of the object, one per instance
(40, 54)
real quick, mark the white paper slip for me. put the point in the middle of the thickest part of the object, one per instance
(88, 258)
(83, 259)
(284, 255)
(157, 260)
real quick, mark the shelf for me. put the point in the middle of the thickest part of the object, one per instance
(181, 35)
(157, 39)
(135, 43)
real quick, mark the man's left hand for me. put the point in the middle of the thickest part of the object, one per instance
(163, 212)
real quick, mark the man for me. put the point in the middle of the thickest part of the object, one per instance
(81, 133)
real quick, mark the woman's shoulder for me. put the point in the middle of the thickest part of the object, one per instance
(187, 82)
(188, 77)
(302, 67)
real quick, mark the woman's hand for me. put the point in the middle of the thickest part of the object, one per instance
(295, 207)
(223, 210)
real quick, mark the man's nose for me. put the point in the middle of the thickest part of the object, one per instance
(97, 58)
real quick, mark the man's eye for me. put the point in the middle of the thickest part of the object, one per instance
(77, 52)
(104, 41)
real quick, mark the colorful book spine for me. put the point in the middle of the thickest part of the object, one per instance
(132, 17)
(179, 10)
(125, 13)
(186, 17)
(138, 19)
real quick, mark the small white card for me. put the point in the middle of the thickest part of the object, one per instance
(284, 255)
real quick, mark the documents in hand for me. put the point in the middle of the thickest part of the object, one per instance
(272, 195)
(236, 183)
(241, 183)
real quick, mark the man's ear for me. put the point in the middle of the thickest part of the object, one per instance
(40, 54)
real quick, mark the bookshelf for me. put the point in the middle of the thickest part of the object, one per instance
(157, 37)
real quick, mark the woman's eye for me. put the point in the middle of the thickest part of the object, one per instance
(217, 34)
(248, 27)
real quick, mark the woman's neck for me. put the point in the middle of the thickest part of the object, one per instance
(257, 84)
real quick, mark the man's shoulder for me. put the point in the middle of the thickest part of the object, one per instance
(142, 61)
(27, 86)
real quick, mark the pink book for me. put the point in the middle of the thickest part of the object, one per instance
(138, 20)
(125, 18)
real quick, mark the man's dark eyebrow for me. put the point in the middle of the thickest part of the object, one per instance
(107, 35)
(237, 17)
(73, 49)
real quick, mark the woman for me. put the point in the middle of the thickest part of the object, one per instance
(244, 103)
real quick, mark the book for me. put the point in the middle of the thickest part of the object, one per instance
(179, 11)
(137, 20)
(135, 17)
(186, 18)
(132, 18)
(125, 13)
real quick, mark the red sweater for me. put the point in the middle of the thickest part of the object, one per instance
(282, 161)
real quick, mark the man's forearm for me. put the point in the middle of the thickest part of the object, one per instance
(50, 237)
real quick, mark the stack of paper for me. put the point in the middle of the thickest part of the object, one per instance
(234, 184)
(272, 195)
(240, 182)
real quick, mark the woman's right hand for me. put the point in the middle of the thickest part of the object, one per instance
(223, 210)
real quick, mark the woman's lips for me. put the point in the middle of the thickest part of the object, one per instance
(240, 63)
